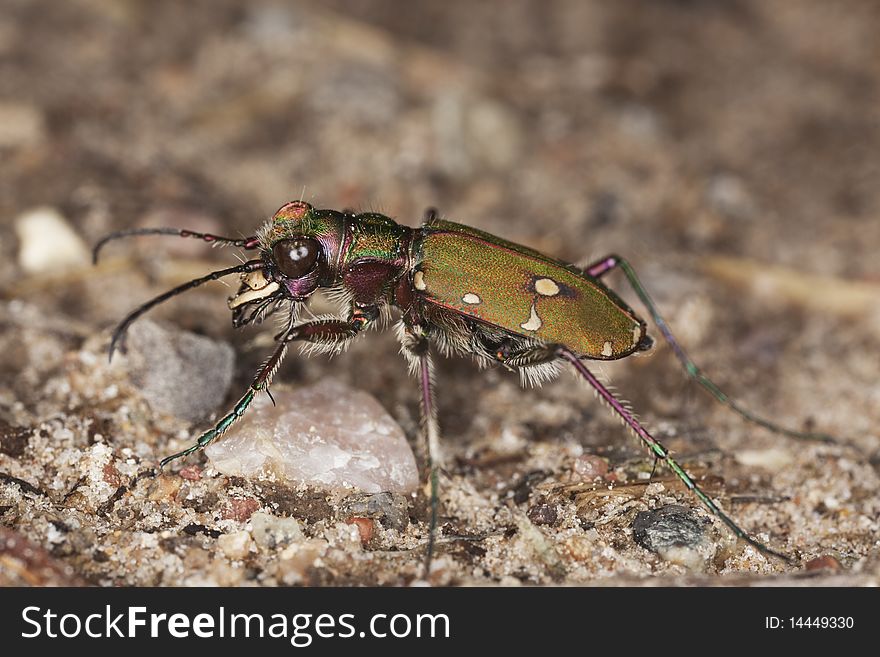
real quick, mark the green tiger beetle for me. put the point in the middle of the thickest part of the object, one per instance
(461, 289)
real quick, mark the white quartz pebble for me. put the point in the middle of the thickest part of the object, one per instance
(326, 435)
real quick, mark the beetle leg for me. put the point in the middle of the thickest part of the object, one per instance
(660, 452)
(606, 264)
(426, 378)
(416, 347)
(247, 243)
(320, 331)
(260, 382)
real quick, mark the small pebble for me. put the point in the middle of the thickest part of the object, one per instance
(21, 125)
(327, 435)
(364, 526)
(47, 243)
(196, 558)
(295, 561)
(271, 532)
(236, 545)
(191, 472)
(589, 467)
(825, 562)
(163, 488)
(673, 532)
(392, 510)
(774, 459)
(240, 508)
(543, 514)
(111, 475)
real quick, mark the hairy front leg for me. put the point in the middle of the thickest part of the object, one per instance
(328, 332)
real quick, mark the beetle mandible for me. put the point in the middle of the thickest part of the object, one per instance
(461, 289)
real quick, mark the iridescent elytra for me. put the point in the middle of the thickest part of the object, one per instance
(508, 286)
(451, 286)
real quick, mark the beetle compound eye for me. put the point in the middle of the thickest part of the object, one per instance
(296, 258)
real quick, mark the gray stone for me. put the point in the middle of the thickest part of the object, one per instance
(326, 435)
(177, 372)
(390, 509)
(668, 526)
(676, 534)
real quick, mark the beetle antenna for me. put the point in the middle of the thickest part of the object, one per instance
(245, 243)
(251, 265)
(601, 267)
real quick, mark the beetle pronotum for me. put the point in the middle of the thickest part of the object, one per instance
(461, 289)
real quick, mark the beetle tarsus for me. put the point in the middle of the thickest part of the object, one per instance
(117, 341)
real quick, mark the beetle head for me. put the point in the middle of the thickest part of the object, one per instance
(295, 245)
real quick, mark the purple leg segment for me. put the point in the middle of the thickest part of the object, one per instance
(601, 267)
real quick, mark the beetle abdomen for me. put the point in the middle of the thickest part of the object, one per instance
(522, 291)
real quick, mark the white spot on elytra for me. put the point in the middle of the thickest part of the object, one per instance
(419, 281)
(546, 287)
(606, 349)
(471, 298)
(534, 322)
(637, 335)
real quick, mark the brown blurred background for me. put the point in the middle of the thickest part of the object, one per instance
(730, 149)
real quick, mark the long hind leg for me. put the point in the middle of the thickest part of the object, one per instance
(610, 262)
(524, 356)
(659, 451)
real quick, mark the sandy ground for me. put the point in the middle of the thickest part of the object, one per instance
(729, 150)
